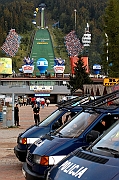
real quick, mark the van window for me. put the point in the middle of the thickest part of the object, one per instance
(78, 124)
(109, 143)
(51, 118)
(105, 123)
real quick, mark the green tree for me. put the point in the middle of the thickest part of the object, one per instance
(111, 28)
(79, 78)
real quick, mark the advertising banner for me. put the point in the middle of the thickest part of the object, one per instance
(59, 69)
(41, 88)
(28, 69)
(75, 59)
(5, 65)
(111, 82)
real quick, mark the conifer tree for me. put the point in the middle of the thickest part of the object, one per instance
(111, 28)
(80, 77)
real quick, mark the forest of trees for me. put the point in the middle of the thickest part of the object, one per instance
(18, 14)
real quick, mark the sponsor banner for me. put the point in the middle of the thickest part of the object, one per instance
(74, 60)
(59, 69)
(28, 69)
(96, 66)
(8, 99)
(42, 43)
(110, 81)
(41, 95)
(5, 65)
(42, 91)
(41, 88)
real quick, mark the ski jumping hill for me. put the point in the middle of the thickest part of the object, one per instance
(42, 48)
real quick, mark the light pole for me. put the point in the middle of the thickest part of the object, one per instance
(75, 18)
(107, 50)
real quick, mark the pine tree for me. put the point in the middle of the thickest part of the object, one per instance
(111, 28)
(80, 77)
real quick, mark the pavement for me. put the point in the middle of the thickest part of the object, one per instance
(10, 166)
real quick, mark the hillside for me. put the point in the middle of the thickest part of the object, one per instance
(19, 15)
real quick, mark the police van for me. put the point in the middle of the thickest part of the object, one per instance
(50, 124)
(82, 130)
(99, 161)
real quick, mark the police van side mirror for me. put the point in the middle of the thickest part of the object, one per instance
(92, 136)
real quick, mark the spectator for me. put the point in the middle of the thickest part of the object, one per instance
(25, 101)
(38, 101)
(33, 100)
(16, 115)
(36, 111)
(42, 102)
(21, 102)
(73, 44)
(47, 102)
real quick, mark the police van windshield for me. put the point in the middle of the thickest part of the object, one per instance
(109, 143)
(78, 124)
(51, 117)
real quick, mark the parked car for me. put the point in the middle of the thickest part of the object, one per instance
(50, 124)
(99, 161)
(81, 130)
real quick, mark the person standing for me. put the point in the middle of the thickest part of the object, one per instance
(16, 115)
(47, 102)
(38, 101)
(36, 112)
(42, 102)
(33, 101)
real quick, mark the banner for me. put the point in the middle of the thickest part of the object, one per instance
(28, 69)
(59, 69)
(75, 59)
(5, 65)
(39, 88)
(59, 65)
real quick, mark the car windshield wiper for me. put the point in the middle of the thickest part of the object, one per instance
(112, 151)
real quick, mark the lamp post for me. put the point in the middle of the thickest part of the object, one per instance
(75, 18)
(107, 50)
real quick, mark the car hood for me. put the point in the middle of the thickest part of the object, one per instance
(52, 146)
(84, 170)
(35, 132)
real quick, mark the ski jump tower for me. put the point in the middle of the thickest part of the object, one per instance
(41, 9)
(86, 39)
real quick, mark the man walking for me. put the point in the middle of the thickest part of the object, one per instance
(36, 112)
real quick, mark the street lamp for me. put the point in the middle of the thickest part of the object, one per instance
(75, 18)
(107, 49)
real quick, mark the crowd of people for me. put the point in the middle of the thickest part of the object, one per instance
(24, 101)
(73, 44)
(11, 44)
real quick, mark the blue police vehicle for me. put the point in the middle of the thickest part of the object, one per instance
(51, 123)
(99, 161)
(82, 130)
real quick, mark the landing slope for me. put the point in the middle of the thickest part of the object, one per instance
(42, 48)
